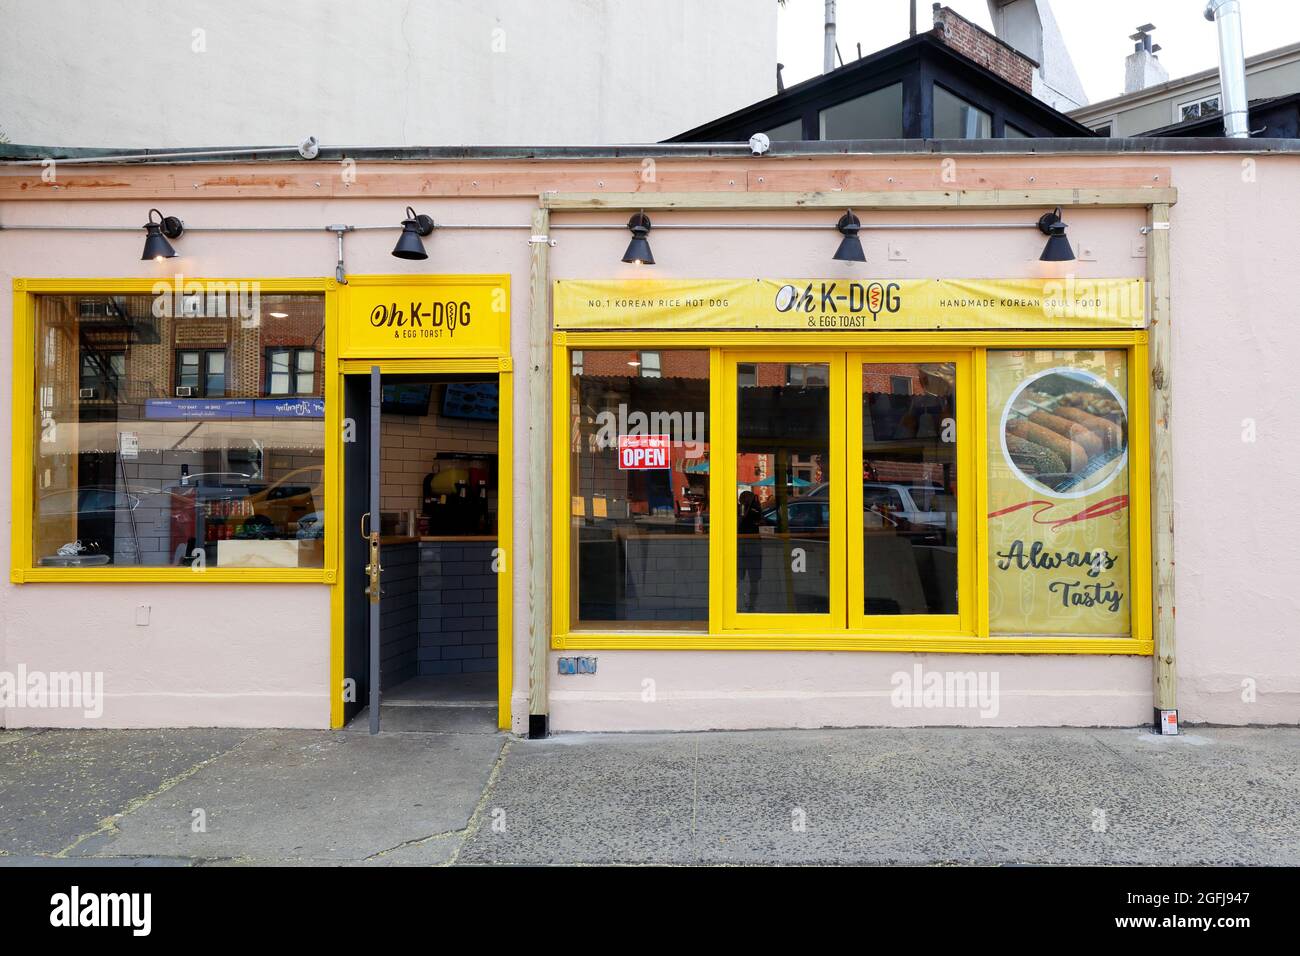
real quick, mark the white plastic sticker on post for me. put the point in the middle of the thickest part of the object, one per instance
(1169, 723)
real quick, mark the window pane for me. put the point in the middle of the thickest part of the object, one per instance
(1058, 492)
(783, 469)
(909, 488)
(954, 118)
(787, 132)
(878, 115)
(306, 361)
(1010, 131)
(639, 481)
(136, 476)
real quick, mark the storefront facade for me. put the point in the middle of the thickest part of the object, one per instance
(748, 485)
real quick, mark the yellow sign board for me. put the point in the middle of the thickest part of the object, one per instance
(847, 304)
(425, 316)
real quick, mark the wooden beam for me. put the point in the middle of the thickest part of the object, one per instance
(539, 473)
(1160, 345)
(903, 199)
(529, 178)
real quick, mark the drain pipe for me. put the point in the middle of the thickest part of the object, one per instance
(1226, 15)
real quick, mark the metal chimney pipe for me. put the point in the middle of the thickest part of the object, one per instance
(1226, 15)
(828, 53)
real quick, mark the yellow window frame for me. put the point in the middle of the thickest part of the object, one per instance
(963, 623)
(22, 568)
(722, 457)
(904, 637)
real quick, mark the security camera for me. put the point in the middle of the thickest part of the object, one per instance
(309, 147)
(759, 144)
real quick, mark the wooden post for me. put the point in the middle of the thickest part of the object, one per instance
(539, 472)
(1162, 501)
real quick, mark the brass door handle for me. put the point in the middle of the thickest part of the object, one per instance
(373, 568)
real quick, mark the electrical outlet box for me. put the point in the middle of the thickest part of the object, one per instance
(577, 665)
(142, 615)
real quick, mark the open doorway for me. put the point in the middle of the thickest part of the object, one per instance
(439, 496)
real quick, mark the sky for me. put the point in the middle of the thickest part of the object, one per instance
(1096, 31)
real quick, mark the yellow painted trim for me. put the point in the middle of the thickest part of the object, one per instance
(23, 423)
(505, 519)
(431, 366)
(21, 567)
(561, 466)
(722, 449)
(980, 409)
(505, 542)
(848, 641)
(857, 341)
(1139, 490)
(140, 285)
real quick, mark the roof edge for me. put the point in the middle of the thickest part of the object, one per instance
(11, 154)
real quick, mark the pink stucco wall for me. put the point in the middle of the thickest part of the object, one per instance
(258, 654)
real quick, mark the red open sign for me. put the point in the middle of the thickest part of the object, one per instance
(642, 452)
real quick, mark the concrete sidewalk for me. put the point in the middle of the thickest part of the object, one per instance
(927, 796)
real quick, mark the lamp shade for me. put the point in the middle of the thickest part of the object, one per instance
(850, 249)
(638, 250)
(156, 245)
(157, 233)
(1057, 248)
(409, 245)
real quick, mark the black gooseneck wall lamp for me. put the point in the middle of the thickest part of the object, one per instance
(850, 249)
(414, 226)
(156, 234)
(1058, 247)
(638, 250)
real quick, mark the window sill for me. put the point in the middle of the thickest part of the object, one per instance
(172, 575)
(845, 641)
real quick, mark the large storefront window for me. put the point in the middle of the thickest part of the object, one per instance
(951, 497)
(1058, 443)
(164, 434)
(639, 489)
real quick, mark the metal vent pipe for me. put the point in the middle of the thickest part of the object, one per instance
(1226, 15)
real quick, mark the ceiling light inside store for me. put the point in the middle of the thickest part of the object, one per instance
(850, 249)
(414, 226)
(156, 234)
(1058, 247)
(638, 250)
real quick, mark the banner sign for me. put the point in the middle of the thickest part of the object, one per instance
(1058, 479)
(850, 304)
(212, 409)
(643, 452)
(425, 316)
